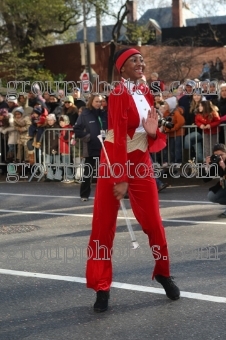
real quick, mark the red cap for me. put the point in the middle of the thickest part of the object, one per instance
(124, 56)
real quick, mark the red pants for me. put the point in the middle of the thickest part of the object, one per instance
(145, 205)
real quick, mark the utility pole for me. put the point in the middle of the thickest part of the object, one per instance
(86, 46)
(99, 34)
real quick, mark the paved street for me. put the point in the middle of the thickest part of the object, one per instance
(44, 233)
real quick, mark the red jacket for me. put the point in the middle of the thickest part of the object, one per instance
(203, 119)
(64, 139)
(124, 119)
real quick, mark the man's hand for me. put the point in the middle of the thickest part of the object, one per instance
(150, 124)
(208, 160)
(120, 190)
(221, 163)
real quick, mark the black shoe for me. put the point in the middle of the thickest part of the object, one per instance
(223, 215)
(172, 291)
(48, 180)
(163, 186)
(101, 304)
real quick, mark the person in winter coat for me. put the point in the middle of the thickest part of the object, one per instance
(78, 101)
(89, 125)
(64, 146)
(217, 192)
(38, 121)
(193, 138)
(3, 104)
(208, 119)
(24, 102)
(51, 149)
(70, 110)
(7, 127)
(219, 66)
(54, 105)
(176, 133)
(21, 125)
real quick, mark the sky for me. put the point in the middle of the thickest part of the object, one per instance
(201, 8)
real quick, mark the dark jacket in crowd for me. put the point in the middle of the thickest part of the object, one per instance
(185, 102)
(88, 127)
(210, 175)
(222, 106)
(79, 103)
(72, 113)
(56, 108)
(51, 138)
(4, 105)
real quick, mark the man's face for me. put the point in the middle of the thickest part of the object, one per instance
(46, 96)
(11, 104)
(188, 89)
(153, 77)
(31, 95)
(223, 92)
(22, 99)
(205, 87)
(76, 94)
(220, 153)
(213, 89)
(52, 99)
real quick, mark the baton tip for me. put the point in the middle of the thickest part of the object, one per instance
(135, 244)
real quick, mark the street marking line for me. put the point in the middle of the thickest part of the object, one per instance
(53, 196)
(44, 212)
(189, 202)
(48, 196)
(189, 295)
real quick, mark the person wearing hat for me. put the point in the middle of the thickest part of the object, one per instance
(21, 125)
(12, 102)
(217, 193)
(51, 149)
(38, 121)
(70, 110)
(132, 134)
(54, 105)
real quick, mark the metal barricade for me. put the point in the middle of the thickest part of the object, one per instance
(195, 145)
(58, 165)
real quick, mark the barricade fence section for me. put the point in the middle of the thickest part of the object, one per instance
(59, 153)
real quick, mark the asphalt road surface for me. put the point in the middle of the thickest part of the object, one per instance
(44, 233)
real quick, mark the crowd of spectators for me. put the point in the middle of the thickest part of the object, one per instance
(35, 128)
(197, 111)
(191, 116)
